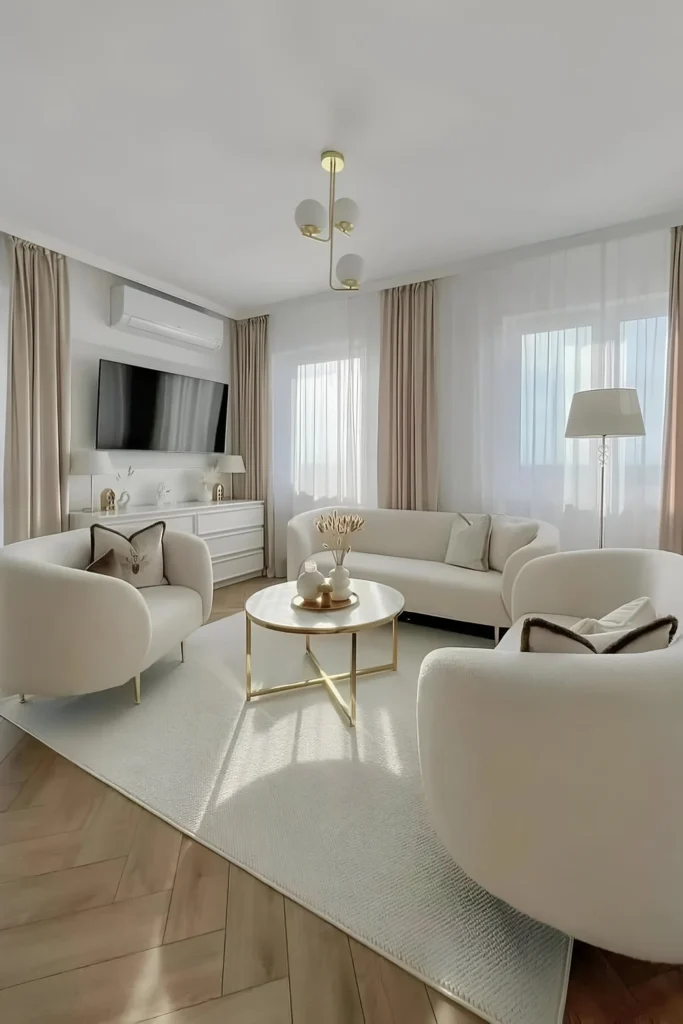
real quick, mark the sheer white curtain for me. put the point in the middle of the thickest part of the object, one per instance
(325, 372)
(515, 342)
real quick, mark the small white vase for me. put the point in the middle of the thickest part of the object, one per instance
(341, 583)
(309, 580)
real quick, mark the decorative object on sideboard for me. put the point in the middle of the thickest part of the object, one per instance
(163, 495)
(218, 493)
(209, 480)
(230, 464)
(336, 530)
(89, 462)
(342, 214)
(603, 413)
(124, 497)
(108, 500)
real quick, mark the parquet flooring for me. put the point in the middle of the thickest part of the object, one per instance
(110, 916)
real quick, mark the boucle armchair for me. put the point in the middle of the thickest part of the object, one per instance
(554, 780)
(66, 631)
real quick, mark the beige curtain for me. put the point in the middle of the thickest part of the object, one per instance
(38, 394)
(407, 458)
(251, 418)
(671, 527)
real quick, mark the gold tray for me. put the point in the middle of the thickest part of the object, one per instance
(315, 606)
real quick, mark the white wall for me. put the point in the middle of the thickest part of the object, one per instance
(93, 339)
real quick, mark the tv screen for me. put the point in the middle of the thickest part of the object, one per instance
(141, 409)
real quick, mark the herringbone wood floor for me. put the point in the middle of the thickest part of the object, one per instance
(107, 914)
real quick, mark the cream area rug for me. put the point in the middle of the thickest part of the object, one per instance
(333, 817)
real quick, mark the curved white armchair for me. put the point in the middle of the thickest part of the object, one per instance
(66, 631)
(556, 781)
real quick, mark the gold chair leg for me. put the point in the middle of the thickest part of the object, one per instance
(136, 684)
(22, 698)
(182, 650)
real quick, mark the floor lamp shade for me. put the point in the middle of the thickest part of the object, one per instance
(603, 413)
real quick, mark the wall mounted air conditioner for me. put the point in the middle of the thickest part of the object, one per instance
(142, 313)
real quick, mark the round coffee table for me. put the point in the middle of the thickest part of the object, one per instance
(272, 609)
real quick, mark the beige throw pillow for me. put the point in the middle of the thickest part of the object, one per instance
(140, 557)
(634, 613)
(507, 536)
(539, 636)
(468, 545)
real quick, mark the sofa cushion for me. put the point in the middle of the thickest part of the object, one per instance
(513, 638)
(634, 613)
(468, 545)
(175, 612)
(140, 555)
(507, 536)
(432, 588)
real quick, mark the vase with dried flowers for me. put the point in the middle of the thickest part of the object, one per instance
(337, 529)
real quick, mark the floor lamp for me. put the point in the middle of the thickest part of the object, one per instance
(603, 413)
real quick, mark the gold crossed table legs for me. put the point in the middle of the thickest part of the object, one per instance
(348, 710)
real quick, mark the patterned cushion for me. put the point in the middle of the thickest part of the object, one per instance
(140, 557)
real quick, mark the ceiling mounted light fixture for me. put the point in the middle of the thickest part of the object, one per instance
(342, 214)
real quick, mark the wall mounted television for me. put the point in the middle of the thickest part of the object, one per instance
(141, 409)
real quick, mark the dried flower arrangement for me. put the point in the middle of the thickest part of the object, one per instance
(336, 530)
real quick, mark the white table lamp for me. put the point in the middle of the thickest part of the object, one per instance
(90, 462)
(230, 464)
(605, 412)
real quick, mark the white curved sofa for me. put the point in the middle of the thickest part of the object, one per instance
(554, 780)
(406, 550)
(66, 631)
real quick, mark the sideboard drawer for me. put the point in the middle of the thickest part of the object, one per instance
(233, 543)
(242, 565)
(184, 524)
(229, 519)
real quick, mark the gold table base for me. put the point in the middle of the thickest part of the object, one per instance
(323, 679)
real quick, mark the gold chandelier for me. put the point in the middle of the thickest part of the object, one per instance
(342, 214)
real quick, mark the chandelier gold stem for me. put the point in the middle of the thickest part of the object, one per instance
(333, 182)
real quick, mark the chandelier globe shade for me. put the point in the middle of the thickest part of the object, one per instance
(350, 271)
(346, 215)
(310, 217)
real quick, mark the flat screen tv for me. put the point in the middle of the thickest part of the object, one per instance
(141, 409)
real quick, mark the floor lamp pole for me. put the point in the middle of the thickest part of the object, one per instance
(602, 459)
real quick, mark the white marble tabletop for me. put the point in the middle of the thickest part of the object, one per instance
(273, 609)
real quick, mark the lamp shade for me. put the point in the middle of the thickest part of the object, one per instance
(346, 214)
(89, 462)
(231, 464)
(608, 412)
(350, 270)
(310, 217)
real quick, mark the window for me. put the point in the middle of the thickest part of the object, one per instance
(327, 431)
(556, 363)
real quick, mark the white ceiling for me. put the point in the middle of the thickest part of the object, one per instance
(174, 138)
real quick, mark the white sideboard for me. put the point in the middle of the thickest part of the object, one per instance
(233, 531)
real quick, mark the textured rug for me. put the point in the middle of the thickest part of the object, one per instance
(333, 817)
